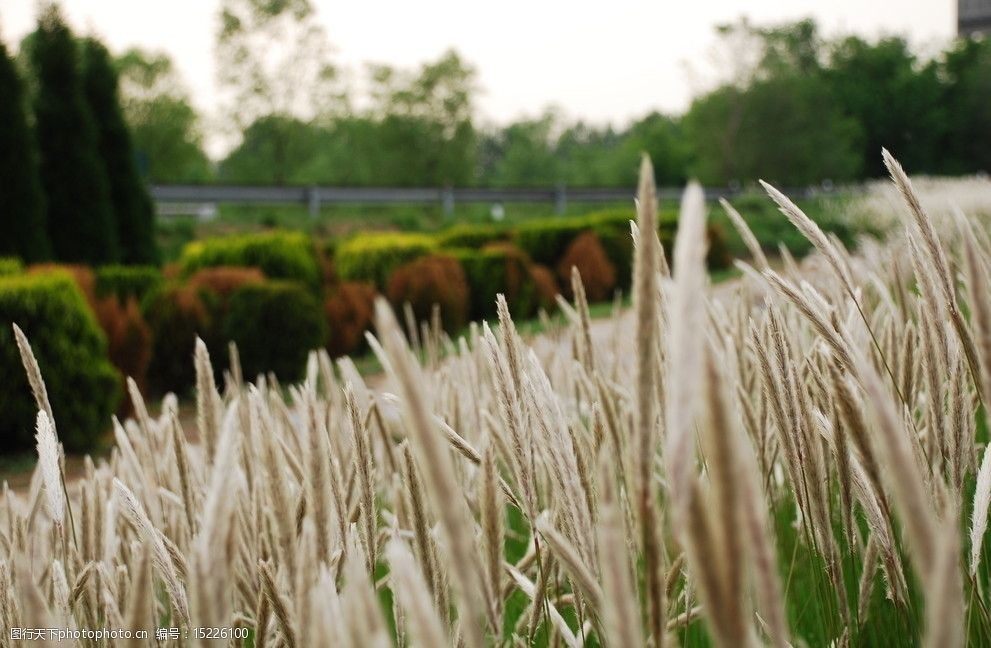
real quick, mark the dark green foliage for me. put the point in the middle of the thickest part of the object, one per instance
(499, 269)
(22, 213)
(80, 215)
(163, 123)
(280, 255)
(177, 315)
(546, 240)
(373, 257)
(771, 227)
(72, 354)
(275, 325)
(464, 235)
(127, 281)
(133, 210)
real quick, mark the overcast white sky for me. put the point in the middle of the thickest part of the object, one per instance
(604, 61)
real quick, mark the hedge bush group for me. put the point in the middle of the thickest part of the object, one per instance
(278, 295)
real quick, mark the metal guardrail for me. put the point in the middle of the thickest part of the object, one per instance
(973, 17)
(199, 198)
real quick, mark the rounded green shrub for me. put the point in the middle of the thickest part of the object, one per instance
(10, 266)
(127, 281)
(373, 257)
(280, 255)
(72, 355)
(275, 325)
(177, 315)
(545, 240)
(499, 268)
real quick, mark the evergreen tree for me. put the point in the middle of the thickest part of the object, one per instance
(22, 215)
(132, 206)
(79, 211)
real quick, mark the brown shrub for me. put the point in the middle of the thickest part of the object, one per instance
(349, 308)
(128, 340)
(598, 274)
(224, 280)
(430, 280)
(545, 286)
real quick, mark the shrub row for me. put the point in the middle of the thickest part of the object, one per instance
(71, 350)
(280, 255)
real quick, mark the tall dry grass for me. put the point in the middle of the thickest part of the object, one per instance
(796, 459)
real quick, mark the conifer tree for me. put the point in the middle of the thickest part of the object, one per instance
(22, 215)
(132, 205)
(79, 212)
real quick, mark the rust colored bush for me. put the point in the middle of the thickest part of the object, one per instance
(430, 280)
(224, 280)
(128, 340)
(349, 308)
(598, 274)
(545, 286)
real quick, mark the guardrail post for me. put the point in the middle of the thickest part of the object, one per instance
(560, 199)
(447, 201)
(313, 200)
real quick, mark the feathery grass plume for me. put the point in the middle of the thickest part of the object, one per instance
(366, 478)
(163, 561)
(33, 371)
(51, 470)
(979, 303)
(812, 312)
(581, 574)
(207, 399)
(492, 512)
(867, 572)
(813, 233)
(746, 234)
(441, 479)
(945, 619)
(530, 590)
(140, 615)
(410, 589)
(212, 556)
(279, 604)
(902, 472)
(982, 498)
(687, 325)
(318, 479)
(646, 308)
(581, 305)
(620, 616)
(937, 258)
(179, 447)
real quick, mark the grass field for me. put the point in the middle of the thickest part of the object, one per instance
(798, 458)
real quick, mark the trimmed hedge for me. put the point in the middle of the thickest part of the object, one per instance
(373, 257)
(280, 255)
(598, 275)
(127, 281)
(275, 325)
(177, 314)
(499, 268)
(470, 235)
(72, 354)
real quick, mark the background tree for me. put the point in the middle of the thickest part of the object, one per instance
(164, 125)
(133, 209)
(895, 100)
(965, 69)
(22, 210)
(79, 213)
(273, 59)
